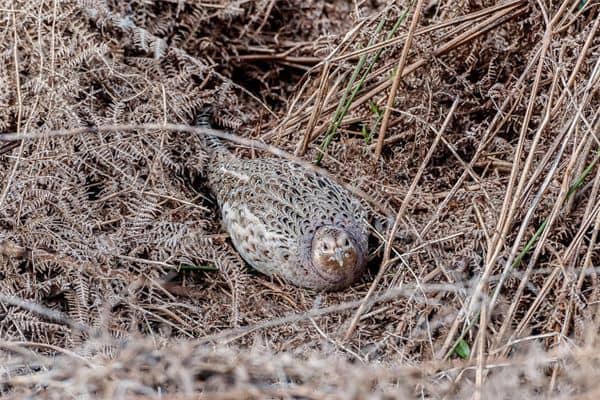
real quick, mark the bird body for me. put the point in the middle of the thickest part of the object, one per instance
(289, 221)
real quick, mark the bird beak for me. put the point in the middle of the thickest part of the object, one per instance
(339, 257)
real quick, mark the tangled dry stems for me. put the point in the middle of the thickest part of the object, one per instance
(117, 281)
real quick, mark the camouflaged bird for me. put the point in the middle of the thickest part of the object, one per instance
(288, 221)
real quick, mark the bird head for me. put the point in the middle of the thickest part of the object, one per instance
(335, 255)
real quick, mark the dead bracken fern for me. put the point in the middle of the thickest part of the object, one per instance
(116, 279)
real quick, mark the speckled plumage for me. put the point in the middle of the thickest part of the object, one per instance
(272, 209)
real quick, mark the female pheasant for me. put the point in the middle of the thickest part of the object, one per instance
(288, 221)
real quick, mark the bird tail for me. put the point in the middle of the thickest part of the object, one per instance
(212, 144)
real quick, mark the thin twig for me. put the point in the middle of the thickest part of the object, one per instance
(388, 245)
(198, 130)
(397, 78)
(406, 291)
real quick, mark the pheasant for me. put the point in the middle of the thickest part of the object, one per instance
(288, 221)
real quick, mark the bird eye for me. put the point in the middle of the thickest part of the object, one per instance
(346, 242)
(325, 246)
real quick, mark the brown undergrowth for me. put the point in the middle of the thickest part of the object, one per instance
(117, 280)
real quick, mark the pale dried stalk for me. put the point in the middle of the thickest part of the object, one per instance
(509, 207)
(255, 144)
(540, 245)
(499, 120)
(397, 78)
(406, 291)
(388, 245)
(533, 206)
(554, 214)
(323, 85)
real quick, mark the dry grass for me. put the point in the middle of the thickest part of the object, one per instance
(117, 281)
